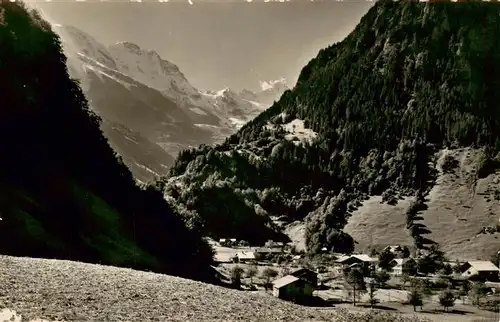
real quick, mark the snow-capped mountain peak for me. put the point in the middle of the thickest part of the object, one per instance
(150, 69)
(129, 46)
(228, 93)
(224, 91)
(77, 41)
(268, 85)
(247, 92)
(225, 106)
(270, 91)
(131, 66)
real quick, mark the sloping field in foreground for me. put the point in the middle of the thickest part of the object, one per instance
(70, 291)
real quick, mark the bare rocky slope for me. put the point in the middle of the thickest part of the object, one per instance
(71, 291)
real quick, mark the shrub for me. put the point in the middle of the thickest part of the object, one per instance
(447, 299)
(449, 163)
(268, 274)
(236, 273)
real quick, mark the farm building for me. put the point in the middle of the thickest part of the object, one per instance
(228, 242)
(292, 288)
(483, 269)
(243, 257)
(398, 264)
(363, 261)
(306, 274)
(392, 248)
(356, 259)
(274, 244)
(266, 252)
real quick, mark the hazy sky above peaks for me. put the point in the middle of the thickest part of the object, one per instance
(219, 43)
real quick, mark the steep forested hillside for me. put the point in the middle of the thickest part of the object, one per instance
(63, 192)
(367, 117)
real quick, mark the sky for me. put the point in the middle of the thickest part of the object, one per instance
(219, 43)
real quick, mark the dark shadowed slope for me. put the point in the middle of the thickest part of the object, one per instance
(64, 193)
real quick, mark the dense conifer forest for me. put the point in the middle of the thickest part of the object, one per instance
(411, 79)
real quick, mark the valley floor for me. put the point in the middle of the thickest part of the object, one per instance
(69, 291)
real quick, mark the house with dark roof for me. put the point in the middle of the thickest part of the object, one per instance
(306, 274)
(362, 261)
(357, 258)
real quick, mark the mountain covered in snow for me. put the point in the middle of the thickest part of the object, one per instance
(150, 111)
(224, 109)
(271, 90)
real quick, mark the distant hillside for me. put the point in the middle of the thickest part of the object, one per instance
(368, 117)
(64, 193)
(145, 159)
(458, 210)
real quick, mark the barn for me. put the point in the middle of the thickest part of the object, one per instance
(292, 288)
(485, 270)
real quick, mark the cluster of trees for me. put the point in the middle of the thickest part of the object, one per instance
(418, 229)
(410, 79)
(356, 284)
(449, 290)
(418, 287)
(267, 274)
(324, 227)
(64, 192)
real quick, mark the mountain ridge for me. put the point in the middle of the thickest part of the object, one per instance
(123, 80)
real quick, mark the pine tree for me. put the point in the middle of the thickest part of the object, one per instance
(356, 282)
